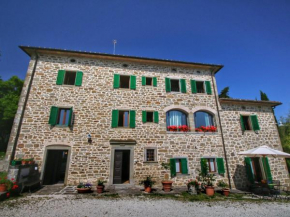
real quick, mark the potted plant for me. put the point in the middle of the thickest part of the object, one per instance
(167, 184)
(6, 185)
(193, 186)
(16, 161)
(207, 179)
(148, 183)
(30, 160)
(84, 188)
(100, 186)
(224, 186)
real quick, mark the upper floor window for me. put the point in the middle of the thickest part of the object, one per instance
(175, 85)
(60, 116)
(204, 122)
(150, 116)
(201, 87)
(69, 78)
(124, 81)
(176, 121)
(149, 81)
(123, 118)
(249, 122)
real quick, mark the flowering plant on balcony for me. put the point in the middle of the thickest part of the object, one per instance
(206, 129)
(182, 128)
(172, 128)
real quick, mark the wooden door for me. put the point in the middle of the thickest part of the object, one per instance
(118, 167)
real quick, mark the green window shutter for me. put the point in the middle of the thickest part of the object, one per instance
(156, 117)
(183, 85)
(70, 118)
(249, 171)
(132, 119)
(220, 165)
(60, 77)
(167, 85)
(53, 115)
(267, 169)
(242, 123)
(172, 167)
(116, 81)
(133, 82)
(154, 82)
(184, 169)
(193, 86)
(204, 166)
(115, 118)
(144, 116)
(79, 78)
(208, 87)
(143, 81)
(255, 123)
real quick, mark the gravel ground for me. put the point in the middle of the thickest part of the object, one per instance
(63, 205)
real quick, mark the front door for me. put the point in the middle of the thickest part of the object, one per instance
(121, 167)
(55, 167)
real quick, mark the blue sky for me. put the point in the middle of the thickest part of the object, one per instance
(250, 38)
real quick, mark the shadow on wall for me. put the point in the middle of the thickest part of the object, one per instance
(240, 178)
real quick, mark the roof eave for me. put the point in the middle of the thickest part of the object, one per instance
(249, 102)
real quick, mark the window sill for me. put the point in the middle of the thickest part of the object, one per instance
(181, 175)
(61, 126)
(151, 162)
(196, 133)
(68, 85)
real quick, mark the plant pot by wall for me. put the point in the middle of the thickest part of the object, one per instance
(84, 190)
(226, 192)
(209, 190)
(100, 189)
(147, 189)
(167, 185)
(3, 188)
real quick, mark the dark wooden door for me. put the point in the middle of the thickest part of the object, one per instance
(118, 167)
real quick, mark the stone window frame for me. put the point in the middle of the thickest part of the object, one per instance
(177, 108)
(215, 164)
(155, 154)
(204, 87)
(176, 78)
(70, 69)
(181, 174)
(208, 110)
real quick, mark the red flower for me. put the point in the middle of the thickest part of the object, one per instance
(12, 179)
(8, 194)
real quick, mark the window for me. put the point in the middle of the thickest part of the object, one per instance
(257, 169)
(249, 122)
(124, 81)
(212, 165)
(150, 116)
(150, 155)
(204, 119)
(175, 118)
(60, 116)
(69, 78)
(178, 166)
(175, 85)
(123, 118)
(149, 81)
(201, 87)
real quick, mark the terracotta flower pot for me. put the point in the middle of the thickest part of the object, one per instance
(100, 189)
(3, 188)
(84, 190)
(167, 185)
(226, 192)
(23, 162)
(209, 190)
(147, 189)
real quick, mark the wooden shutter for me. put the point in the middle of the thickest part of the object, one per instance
(133, 82)
(154, 82)
(242, 123)
(70, 117)
(193, 86)
(249, 171)
(143, 81)
(184, 169)
(255, 123)
(53, 116)
(172, 167)
(156, 117)
(220, 165)
(267, 169)
(132, 119)
(183, 85)
(115, 118)
(208, 87)
(167, 85)
(144, 116)
(116, 81)
(60, 77)
(204, 166)
(79, 78)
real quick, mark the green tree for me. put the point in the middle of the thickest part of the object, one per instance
(9, 96)
(264, 96)
(284, 132)
(224, 93)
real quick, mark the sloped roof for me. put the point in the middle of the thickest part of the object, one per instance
(249, 102)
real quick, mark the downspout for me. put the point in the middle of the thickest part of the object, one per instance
(221, 128)
(23, 110)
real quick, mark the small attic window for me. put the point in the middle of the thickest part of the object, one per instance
(72, 60)
(125, 65)
(173, 69)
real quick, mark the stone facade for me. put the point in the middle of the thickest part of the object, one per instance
(94, 101)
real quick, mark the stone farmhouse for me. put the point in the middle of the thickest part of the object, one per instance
(85, 116)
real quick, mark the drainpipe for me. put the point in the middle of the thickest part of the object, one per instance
(23, 110)
(221, 128)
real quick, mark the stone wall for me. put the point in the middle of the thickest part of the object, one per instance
(236, 141)
(93, 103)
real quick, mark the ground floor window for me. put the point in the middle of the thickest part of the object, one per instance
(212, 165)
(178, 166)
(258, 169)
